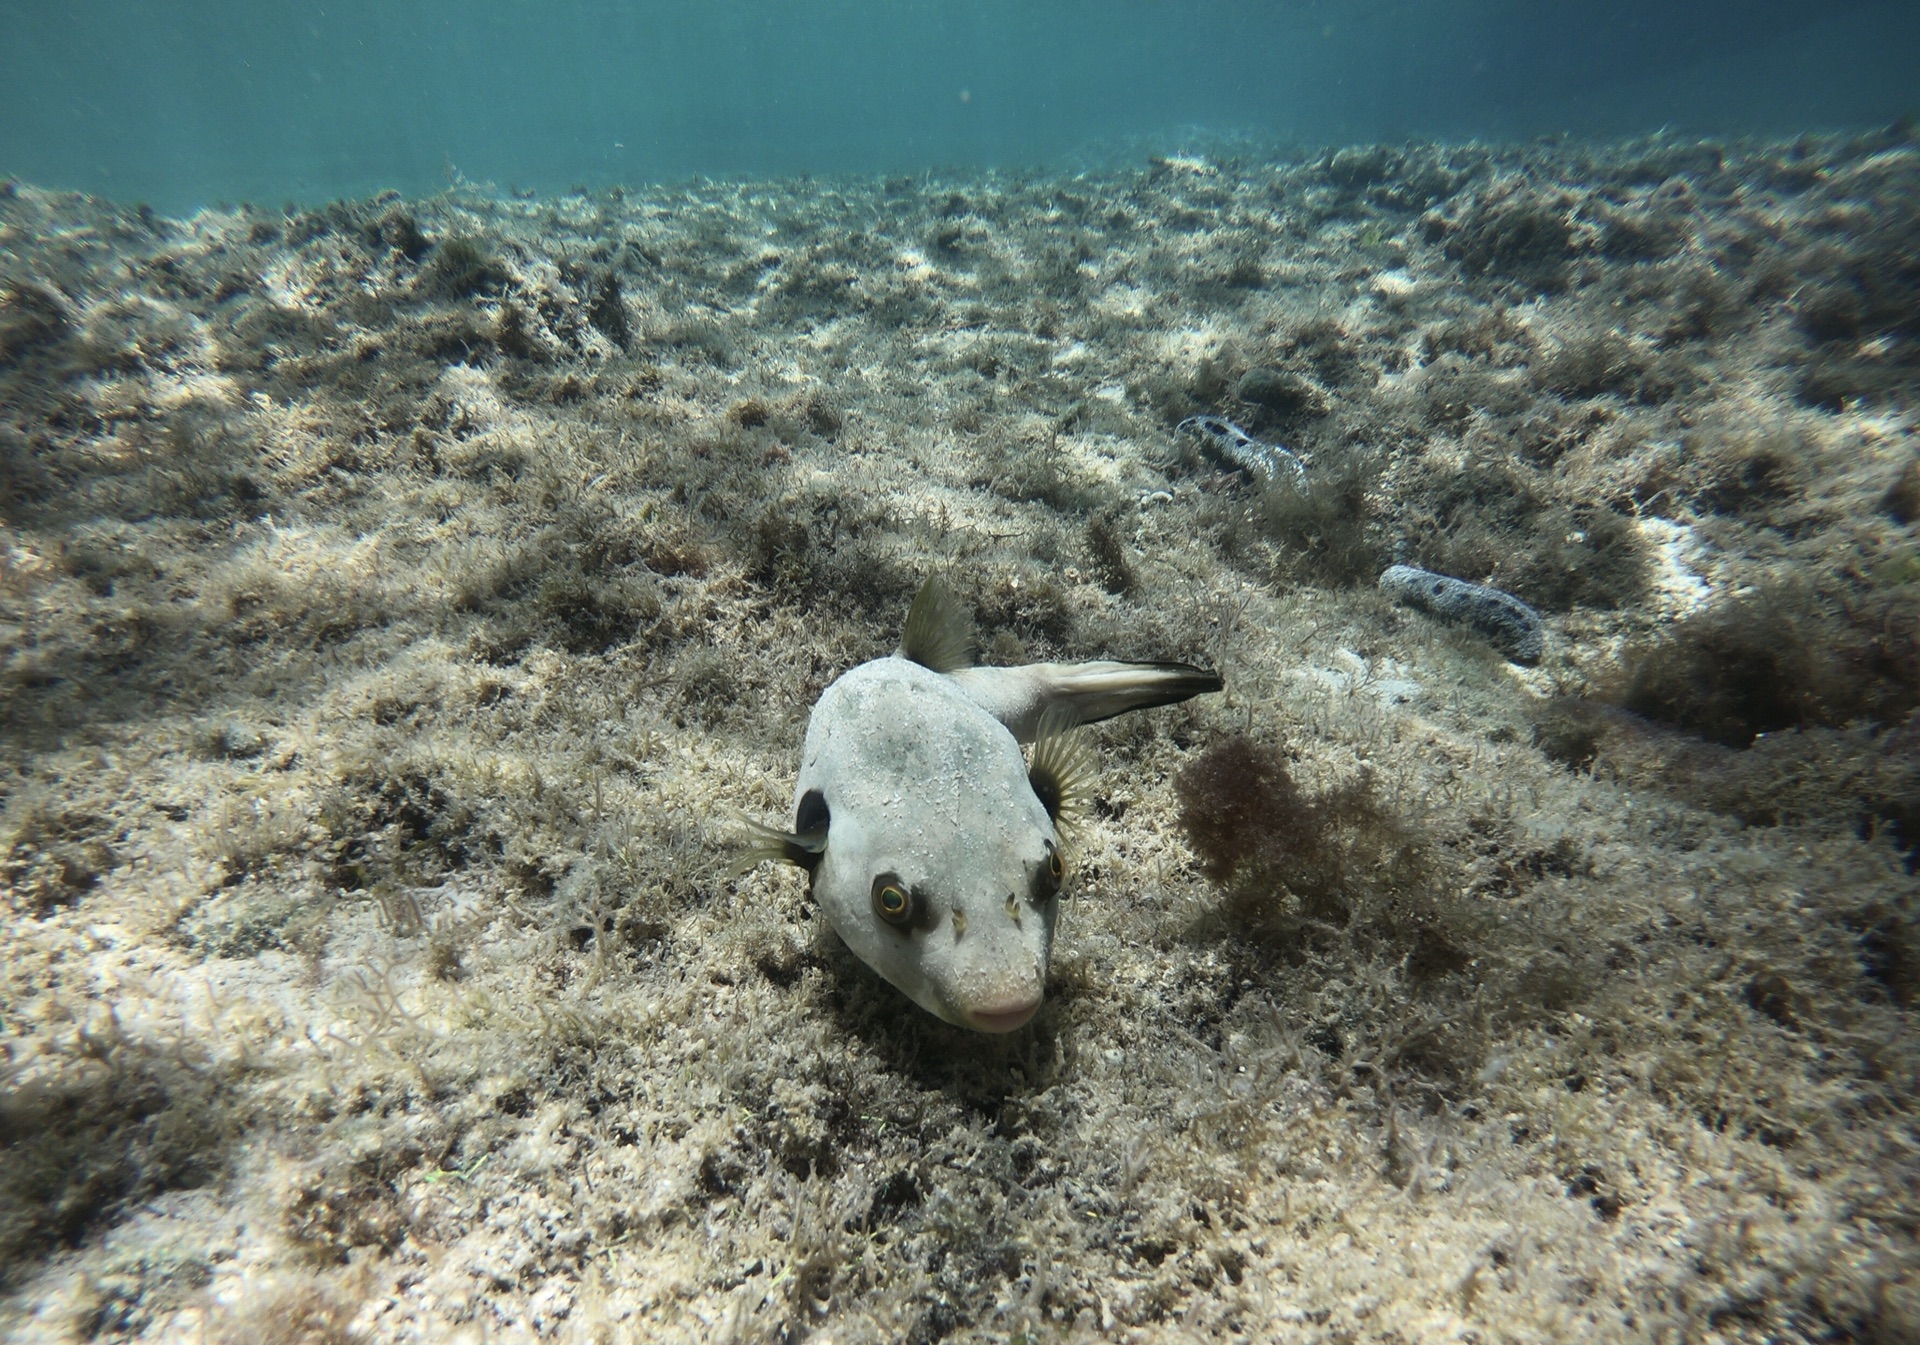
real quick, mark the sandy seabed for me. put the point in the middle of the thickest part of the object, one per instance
(399, 600)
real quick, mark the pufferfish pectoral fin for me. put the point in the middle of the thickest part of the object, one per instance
(801, 848)
(1061, 769)
(1083, 693)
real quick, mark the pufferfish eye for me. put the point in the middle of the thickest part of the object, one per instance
(891, 900)
(1051, 873)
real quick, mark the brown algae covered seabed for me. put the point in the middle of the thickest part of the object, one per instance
(401, 600)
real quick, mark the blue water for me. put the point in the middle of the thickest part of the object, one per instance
(195, 101)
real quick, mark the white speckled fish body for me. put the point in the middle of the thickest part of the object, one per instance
(933, 845)
(926, 788)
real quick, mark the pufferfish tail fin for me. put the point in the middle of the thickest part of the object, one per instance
(1080, 693)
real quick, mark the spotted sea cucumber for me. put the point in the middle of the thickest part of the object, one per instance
(1236, 448)
(1499, 616)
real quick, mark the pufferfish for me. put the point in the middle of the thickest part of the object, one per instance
(931, 844)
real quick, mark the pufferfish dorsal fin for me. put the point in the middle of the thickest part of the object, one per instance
(1061, 769)
(939, 632)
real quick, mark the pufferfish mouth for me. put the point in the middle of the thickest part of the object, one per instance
(1005, 1016)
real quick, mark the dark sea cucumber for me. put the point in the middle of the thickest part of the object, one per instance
(1502, 618)
(1234, 447)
